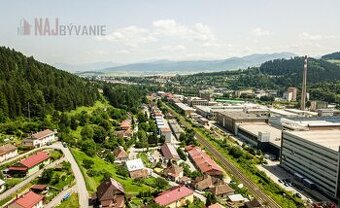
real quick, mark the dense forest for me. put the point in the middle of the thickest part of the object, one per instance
(27, 85)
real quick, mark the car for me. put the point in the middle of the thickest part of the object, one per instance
(298, 195)
(280, 181)
(64, 145)
(285, 184)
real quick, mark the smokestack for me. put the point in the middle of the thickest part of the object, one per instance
(304, 85)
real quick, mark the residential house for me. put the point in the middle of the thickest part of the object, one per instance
(169, 152)
(125, 129)
(166, 132)
(120, 154)
(175, 197)
(221, 190)
(28, 200)
(39, 188)
(7, 151)
(174, 172)
(2, 186)
(136, 168)
(203, 162)
(203, 183)
(253, 204)
(39, 139)
(30, 165)
(111, 194)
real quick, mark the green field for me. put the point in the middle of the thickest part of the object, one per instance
(101, 165)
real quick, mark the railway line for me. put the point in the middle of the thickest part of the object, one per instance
(263, 198)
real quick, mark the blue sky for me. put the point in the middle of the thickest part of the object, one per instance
(178, 30)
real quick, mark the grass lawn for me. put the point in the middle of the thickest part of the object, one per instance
(100, 165)
(71, 202)
(89, 109)
(144, 158)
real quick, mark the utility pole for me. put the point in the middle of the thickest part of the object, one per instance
(304, 85)
(29, 113)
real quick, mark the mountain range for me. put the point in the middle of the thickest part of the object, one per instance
(195, 66)
(170, 66)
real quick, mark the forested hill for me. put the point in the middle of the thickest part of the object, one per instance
(25, 82)
(291, 70)
(335, 55)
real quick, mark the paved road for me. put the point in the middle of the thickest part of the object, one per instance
(80, 182)
(228, 166)
(56, 200)
(28, 179)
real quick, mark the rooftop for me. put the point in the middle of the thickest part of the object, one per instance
(42, 134)
(6, 149)
(172, 195)
(28, 200)
(135, 164)
(241, 115)
(35, 159)
(184, 107)
(326, 138)
(255, 128)
(169, 151)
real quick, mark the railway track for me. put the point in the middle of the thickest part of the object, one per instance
(263, 198)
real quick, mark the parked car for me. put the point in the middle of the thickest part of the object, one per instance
(298, 195)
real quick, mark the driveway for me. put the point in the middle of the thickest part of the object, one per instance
(56, 200)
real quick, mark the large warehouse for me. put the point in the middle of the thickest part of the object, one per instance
(231, 119)
(313, 157)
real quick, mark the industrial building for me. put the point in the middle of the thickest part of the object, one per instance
(261, 135)
(231, 119)
(313, 157)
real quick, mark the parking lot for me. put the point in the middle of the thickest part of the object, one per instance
(287, 181)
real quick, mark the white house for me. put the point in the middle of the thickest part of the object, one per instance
(40, 138)
(7, 151)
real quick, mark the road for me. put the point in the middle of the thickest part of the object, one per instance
(28, 179)
(56, 200)
(229, 167)
(83, 195)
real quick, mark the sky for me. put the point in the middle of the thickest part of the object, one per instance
(144, 30)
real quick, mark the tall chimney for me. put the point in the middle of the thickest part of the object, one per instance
(304, 85)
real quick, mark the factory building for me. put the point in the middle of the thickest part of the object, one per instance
(312, 156)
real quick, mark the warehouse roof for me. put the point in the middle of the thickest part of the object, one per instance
(326, 138)
(255, 128)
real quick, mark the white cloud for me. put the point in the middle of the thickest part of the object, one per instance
(260, 32)
(131, 36)
(165, 30)
(308, 36)
(173, 48)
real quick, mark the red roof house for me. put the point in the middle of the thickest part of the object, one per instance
(177, 196)
(204, 162)
(30, 164)
(125, 124)
(28, 200)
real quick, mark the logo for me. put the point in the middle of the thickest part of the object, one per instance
(47, 27)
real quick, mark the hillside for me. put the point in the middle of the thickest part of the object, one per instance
(183, 67)
(335, 55)
(25, 82)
